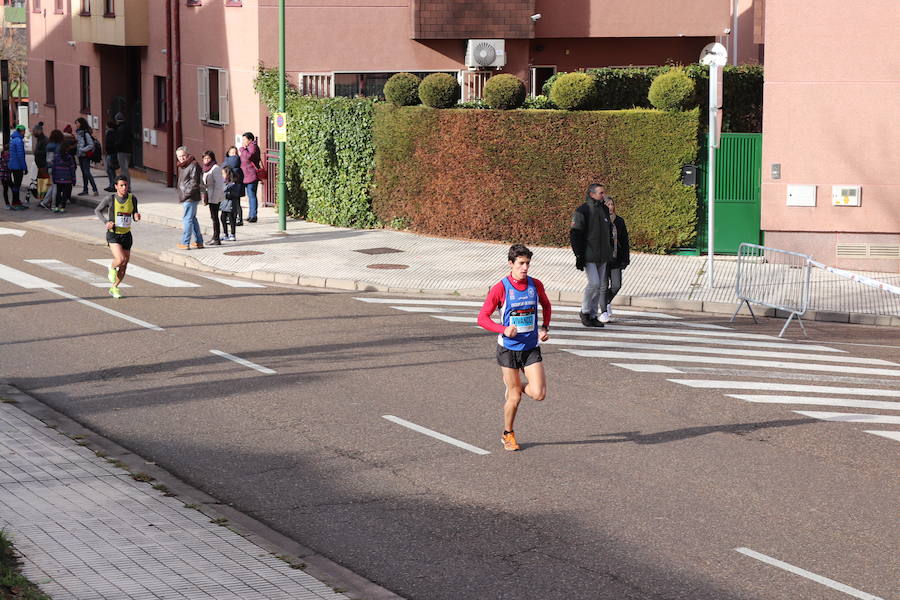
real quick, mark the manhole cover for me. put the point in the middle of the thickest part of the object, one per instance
(378, 251)
(388, 266)
(243, 253)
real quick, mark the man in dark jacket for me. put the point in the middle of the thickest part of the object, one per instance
(123, 143)
(17, 166)
(190, 187)
(589, 235)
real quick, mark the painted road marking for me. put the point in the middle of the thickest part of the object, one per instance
(476, 304)
(435, 434)
(772, 364)
(648, 368)
(826, 401)
(108, 311)
(58, 266)
(474, 319)
(891, 435)
(242, 361)
(16, 232)
(835, 585)
(722, 351)
(850, 417)
(814, 378)
(137, 272)
(235, 283)
(696, 340)
(784, 387)
(23, 279)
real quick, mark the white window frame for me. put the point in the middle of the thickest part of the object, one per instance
(203, 74)
(318, 82)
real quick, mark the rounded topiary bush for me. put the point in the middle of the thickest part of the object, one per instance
(673, 90)
(574, 91)
(504, 92)
(402, 89)
(439, 90)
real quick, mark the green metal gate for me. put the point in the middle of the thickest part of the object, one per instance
(738, 178)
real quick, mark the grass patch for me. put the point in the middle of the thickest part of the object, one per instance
(161, 487)
(219, 521)
(13, 585)
(142, 477)
(8, 401)
(192, 506)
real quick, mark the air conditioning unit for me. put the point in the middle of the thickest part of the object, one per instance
(483, 54)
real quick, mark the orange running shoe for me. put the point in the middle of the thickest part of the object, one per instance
(509, 441)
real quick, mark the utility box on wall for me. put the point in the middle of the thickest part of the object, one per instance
(845, 195)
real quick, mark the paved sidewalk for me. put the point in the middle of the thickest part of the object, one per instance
(87, 530)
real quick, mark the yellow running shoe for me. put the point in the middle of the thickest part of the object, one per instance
(112, 274)
(114, 292)
(509, 441)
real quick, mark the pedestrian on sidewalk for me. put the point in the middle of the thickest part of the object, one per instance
(589, 235)
(621, 256)
(64, 175)
(250, 166)
(118, 211)
(232, 194)
(54, 143)
(86, 146)
(123, 144)
(517, 296)
(39, 142)
(17, 165)
(213, 191)
(5, 176)
(190, 187)
(110, 161)
(233, 161)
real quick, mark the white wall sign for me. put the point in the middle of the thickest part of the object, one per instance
(801, 195)
(845, 195)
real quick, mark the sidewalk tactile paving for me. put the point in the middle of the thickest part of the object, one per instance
(86, 530)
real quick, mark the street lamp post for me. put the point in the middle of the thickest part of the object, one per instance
(282, 216)
(715, 56)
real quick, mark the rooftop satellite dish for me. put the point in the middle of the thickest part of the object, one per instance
(714, 54)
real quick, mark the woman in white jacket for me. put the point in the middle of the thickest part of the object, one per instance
(214, 192)
(84, 138)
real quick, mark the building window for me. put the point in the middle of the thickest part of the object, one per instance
(109, 8)
(59, 8)
(85, 90)
(368, 85)
(192, 3)
(233, 3)
(36, 5)
(316, 84)
(50, 83)
(212, 95)
(160, 85)
(85, 7)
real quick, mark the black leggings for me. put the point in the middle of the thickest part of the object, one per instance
(6, 185)
(214, 213)
(63, 193)
(16, 184)
(615, 284)
(228, 218)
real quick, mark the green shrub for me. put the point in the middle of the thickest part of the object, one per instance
(402, 89)
(541, 102)
(504, 92)
(439, 90)
(574, 91)
(673, 91)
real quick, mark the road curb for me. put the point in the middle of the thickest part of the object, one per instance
(289, 550)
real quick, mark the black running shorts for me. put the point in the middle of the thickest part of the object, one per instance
(119, 238)
(518, 359)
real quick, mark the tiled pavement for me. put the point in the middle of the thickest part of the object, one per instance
(87, 530)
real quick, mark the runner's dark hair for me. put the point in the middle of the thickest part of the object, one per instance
(517, 250)
(121, 178)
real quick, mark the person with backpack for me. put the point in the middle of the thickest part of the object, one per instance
(63, 173)
(87, 147)
(16, 164)
(118, 211)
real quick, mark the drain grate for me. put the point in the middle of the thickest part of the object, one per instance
(388, 266)
(244, 253)
(378, 251)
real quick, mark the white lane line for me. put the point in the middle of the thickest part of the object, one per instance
(835, 585)
(242, 361)
(720, 361)
(7, 231)
(648, 368)
(136, 272)
(413, 301)
(435, 434)
(23, 279)
(721, 351)
(850, 417)
(474, 319)
(784, 387)
(108, 311)
(825, 401)
(57, 266)
(891, 435)
(235, 283)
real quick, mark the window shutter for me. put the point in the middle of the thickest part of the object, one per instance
(223, 97)
(203, 93)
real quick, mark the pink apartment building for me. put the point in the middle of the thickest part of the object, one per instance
(182, 70)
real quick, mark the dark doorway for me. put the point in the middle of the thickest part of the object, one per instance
(120, 81)
(539, 76)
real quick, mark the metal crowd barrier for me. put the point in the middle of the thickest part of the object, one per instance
(775, 278)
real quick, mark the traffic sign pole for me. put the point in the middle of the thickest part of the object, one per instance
(282, 146)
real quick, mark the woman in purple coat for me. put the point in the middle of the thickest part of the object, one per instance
(249, 164)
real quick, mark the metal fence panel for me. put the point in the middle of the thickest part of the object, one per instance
(775, 278)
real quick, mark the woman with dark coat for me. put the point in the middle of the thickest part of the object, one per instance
(110, 161)
(233, 162)
(250, 163)
(621, 256)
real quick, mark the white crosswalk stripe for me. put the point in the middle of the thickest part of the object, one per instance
(62, 268)
(850, 417)
(891, 435)
(24, 280)
(474, 319)
(784, 387)
(161, 279)
(475, 304)
(235, 283)
(818, 401)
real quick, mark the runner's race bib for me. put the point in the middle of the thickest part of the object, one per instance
(523, 319)
(123, 220)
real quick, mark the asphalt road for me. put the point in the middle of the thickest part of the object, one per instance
(629, 486)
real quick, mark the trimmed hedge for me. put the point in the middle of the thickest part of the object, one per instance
(517, 176)
(504, 92)
(673, 91)
(574, 91)
(402, 89)
(439, 90)
(330, 154)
